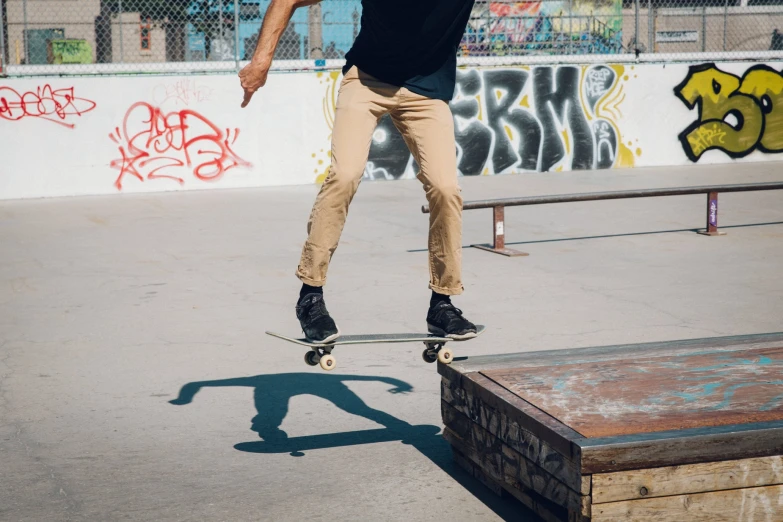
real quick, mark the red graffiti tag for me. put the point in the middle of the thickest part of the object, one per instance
(152, 143)
(46, 103)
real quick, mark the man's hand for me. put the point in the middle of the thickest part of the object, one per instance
(252, 77)
(276, 19)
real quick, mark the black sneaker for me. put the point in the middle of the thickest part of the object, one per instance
(444, 319)
(316, 323)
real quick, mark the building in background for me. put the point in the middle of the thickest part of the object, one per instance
(143, 39)
(32, 24)
(41, 32)
(694, 26)
(80, 31)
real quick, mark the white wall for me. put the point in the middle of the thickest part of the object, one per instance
(67, 136)
(60, 148)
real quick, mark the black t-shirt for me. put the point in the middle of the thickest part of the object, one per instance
(411, 43)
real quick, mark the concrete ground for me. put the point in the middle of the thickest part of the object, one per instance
(136, 378)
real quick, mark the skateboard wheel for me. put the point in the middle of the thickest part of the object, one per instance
(311, 358)
(327, 362)
(429, 356)
(445, 356)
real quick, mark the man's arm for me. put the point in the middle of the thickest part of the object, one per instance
(253, 76)
(399, 386)
(188, 391)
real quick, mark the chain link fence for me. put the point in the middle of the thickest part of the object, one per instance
(116, 36)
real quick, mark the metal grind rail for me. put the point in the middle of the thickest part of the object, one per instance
(498, 205)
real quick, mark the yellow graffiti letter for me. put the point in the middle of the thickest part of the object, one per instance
(718, 97)
(766, 85)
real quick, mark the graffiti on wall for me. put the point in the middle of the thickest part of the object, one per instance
(157, 145)
(519, 119)
(735, 115)
(544, 27)
(182, 92)
(59, 106)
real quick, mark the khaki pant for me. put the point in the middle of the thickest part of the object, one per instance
(428, 129)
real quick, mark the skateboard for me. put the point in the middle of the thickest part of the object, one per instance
(321, 353)
(296, 446)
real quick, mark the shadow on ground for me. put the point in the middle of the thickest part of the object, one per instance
(629, 234)
(624, 234)
(272, 393)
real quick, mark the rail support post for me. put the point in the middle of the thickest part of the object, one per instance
(499, 235)
(712, 216)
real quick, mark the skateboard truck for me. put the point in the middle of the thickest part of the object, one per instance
(321, 356)
(437, 352)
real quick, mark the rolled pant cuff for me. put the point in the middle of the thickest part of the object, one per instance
(447, 291)
(311, 282)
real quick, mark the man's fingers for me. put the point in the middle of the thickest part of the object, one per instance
(251, 78)
(248, 95)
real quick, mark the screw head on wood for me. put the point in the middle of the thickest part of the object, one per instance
(643, 491)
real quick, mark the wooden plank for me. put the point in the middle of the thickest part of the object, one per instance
(477, 390)
(587, 485)
(518, 470)
(585, 511)
(503, 426)
(476, 472)
(677, 447)
(486, 454)
(503, 464)
(540, 358)
(547, 510)
(688, 479)
(736, 505)
(609, 398)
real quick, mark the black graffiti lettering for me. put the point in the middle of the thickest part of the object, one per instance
(389, 156)
(503, 121)
(519, 121)
(557, 105)
(530, 141)
(469, 82)
(501, 91)
(606, 144)
(598, 81)
(474, 140)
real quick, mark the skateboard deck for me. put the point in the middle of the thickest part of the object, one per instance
(321, 353)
